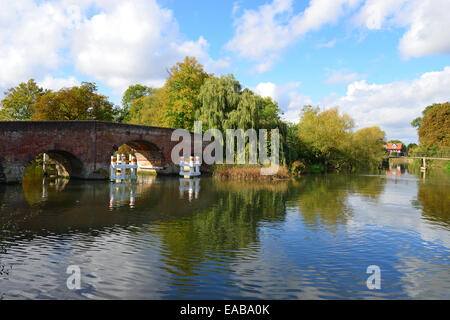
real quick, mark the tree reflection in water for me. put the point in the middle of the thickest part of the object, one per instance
(434, 200)
(229, 225)
(324, 201)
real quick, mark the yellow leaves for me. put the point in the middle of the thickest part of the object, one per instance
(435, 127)
(76, 103)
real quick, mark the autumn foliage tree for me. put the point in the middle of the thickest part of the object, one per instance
(149, 109)
(76, 103)
(133, 93)
(182, 89)
(19, 101)
(435, 127)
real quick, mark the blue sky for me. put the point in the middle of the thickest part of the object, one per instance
(380, 61)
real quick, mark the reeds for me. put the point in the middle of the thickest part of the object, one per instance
(248, 172)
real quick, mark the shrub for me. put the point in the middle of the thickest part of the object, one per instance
(297, 168)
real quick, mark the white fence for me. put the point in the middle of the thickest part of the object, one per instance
(191, 168)
(120, 169)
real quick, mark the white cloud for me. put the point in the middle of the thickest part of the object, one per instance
(328, 44)
(133, 41)
(374, 14)
(262, 34)
(289, 97)
(117, 42)
(30, 37)
(341, 76)
(52, 83)
(426, 21)
(393, 106)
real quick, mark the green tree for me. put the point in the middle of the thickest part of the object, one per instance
(435, 128)
(410, 147)
(218, 98)
(368, 147)
(19, 101)
(130, 95)
(417, 122)
(76, 103)
(149, 110)
(182, 89)
(327, 133)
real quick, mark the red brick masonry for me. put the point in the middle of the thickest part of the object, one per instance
(85, 145)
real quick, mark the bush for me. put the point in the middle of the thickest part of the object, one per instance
(297, 168)
(316, 168)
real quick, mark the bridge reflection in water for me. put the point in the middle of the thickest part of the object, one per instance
(124, 192)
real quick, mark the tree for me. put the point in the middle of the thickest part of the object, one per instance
(149, 110)
(76, 103)
(417, 122)
(368, 147)
(19, 101)
(182, 89)
(435, 128)
(218, 98)
(327, 133)
(270, 114)
(130, 95)
(410, 147)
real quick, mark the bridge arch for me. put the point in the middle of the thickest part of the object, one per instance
(66, 164)
(148, 154)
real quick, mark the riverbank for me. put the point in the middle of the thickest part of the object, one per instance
(248, 172)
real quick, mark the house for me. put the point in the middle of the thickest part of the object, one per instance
(395, 148)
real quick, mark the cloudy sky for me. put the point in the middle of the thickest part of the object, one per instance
(381, 61)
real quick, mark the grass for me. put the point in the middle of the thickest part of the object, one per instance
(248, 172)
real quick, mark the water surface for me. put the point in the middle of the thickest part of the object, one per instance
(166, 238)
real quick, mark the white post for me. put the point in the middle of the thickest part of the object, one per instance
(123, 170)
(182, 166)
(134, 169)
(112, 170)
(197, 164)
(191, 165)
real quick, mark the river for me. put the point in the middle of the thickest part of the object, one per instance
(168, 238)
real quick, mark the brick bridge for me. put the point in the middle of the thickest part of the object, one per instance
(82, 148)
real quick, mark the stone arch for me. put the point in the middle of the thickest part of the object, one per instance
(148, 154)
(67, 164)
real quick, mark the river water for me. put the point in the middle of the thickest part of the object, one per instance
(167, 238)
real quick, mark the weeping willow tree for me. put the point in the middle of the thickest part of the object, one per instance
(226, 105)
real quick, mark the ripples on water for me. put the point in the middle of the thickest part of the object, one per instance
(165, 238)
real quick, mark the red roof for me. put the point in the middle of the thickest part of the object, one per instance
(394, 146)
